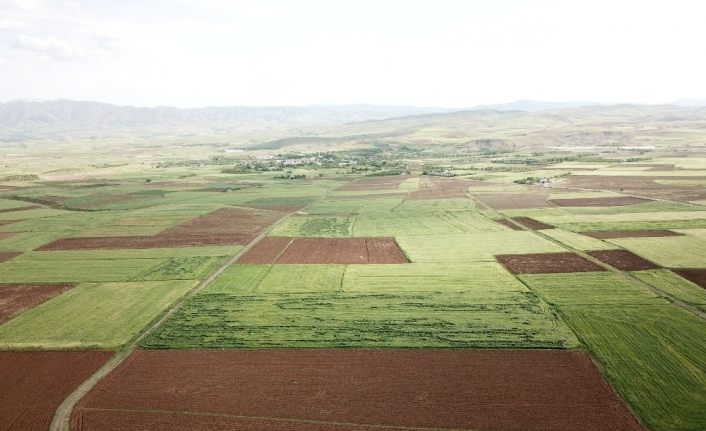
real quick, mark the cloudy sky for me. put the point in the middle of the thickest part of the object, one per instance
(461, 53)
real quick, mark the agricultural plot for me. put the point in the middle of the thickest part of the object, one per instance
(344, 389)
(653, 355)
(598, 202)
(262, 279)
(16, 298)
(316, 226)
(578, 241)
(286, 250)
(35, 383)
(696, 276)
(670, 252)
(103, 316)
(181, 268)
(428, 223)
(544, 263)
(623, 260)
(590, 288)
(630, 234)
(48, 270)
(504, 201)
(664, 220)
(673, 285)
(476, 247)
(335, 319)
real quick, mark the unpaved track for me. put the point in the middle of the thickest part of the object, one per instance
(62, 416)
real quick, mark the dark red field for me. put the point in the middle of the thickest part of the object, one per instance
(286, 250)
(696, 276)
(546, 263)
(17, 298)
(623, 260)
(353, 389)
(507, 223)
(35, 383)
(504, 201)
(599, 202)
(630, 234)
(640, 186)
(7, 255)
(266, 250)
(221, 227)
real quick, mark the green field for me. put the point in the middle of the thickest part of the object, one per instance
(89, 316)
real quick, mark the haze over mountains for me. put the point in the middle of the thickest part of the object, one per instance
(30, 117)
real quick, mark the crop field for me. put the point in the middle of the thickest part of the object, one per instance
(380, 389)
(104, 315)
(419, 278)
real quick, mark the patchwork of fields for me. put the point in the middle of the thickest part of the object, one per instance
(543, 308)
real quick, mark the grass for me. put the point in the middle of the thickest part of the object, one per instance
(654, 356)
(578, 241)
(101, 316)
(316, 226)
(589, 288)
(430, 277)
(477, 247)
(422, 223)
(181, 268)
(249, 279)
(671, 251)
(335, 319)
(674, 285)
(95, 270)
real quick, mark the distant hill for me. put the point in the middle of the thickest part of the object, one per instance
(29, 116)
(532, 106)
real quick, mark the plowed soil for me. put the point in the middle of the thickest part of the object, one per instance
(29, 207)
(630, 234)
(375, 183)
(342, 251)
(440, 188)
(696, 276)
(639, 185)
(35, 383)
(266, 250)
(506, 201)
(545, 263)
(17, 298)
(532, 223)
(623, 260)
(7, 255)
(353, 389)
(599, 202)
(221, 227)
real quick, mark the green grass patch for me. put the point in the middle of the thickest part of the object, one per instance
(577, 241)
(101, 316)
(589, 288)
(315, 226)
(335, 319)
(655, 358)
(51, 270)
(674, 285)
(669, 251)
(410, 223)
(181, 268)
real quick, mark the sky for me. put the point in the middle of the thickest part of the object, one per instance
(441, 53)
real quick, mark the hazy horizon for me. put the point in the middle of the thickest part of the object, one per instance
(451, 54)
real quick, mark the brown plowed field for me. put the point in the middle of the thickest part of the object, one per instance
(353, 389)
(545, 263)
(342, 251)
(7, 255)
(623, 260)
(35, 383)
(606, 234)
(440, 188)
(599, 202)
(16, 298)
(221, 227)
(375, 183)
(639, 185)
(506, 201)
(266, 250)
(532, 223)
(696, 276)
(29, 207)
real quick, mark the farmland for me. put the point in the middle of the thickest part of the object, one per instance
(403, 281)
